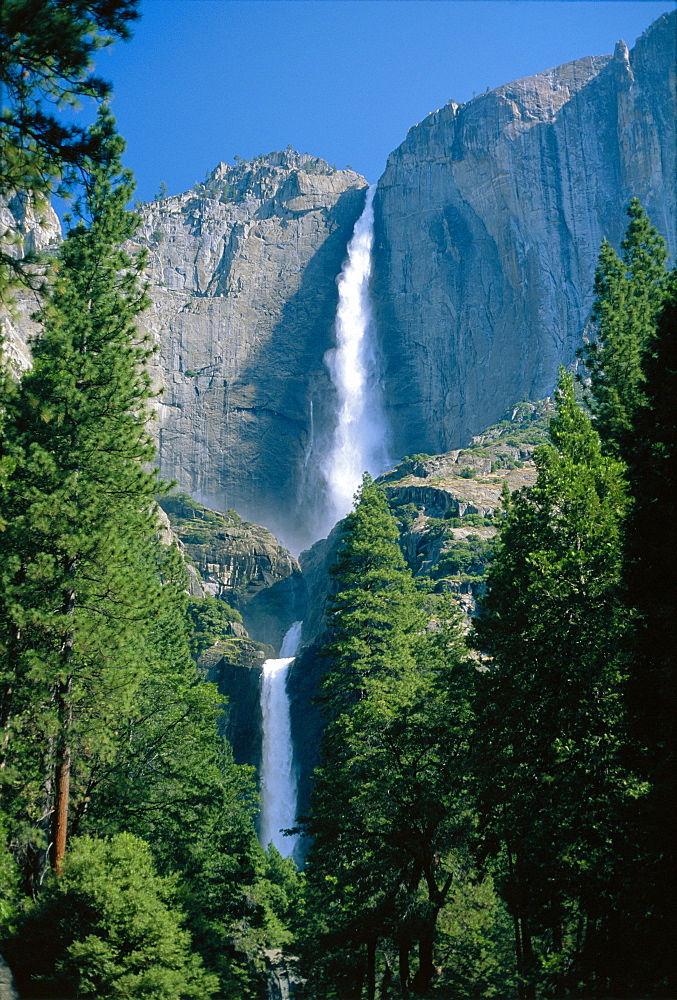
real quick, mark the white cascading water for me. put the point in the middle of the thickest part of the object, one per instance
(360, 439)
(278, 780)
(359, 444)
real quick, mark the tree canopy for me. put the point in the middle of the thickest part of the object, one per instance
(47, 50)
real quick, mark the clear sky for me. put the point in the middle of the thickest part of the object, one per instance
(204, 80)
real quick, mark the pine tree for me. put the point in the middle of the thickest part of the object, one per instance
(647, 918)
(389, 799)
(46, 58)
(632, 369)
(628, 296)
(78, 584)
(550, 713)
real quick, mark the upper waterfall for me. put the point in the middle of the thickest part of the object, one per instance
(360, 435)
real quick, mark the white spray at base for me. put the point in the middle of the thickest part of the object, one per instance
(278, 780)
(360, 440)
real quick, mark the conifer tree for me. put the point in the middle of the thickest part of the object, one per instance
(78, 579)
(46, 61)
(632, 369)
(550, 712)
(628, 296)
(389, 797)
(646, 919)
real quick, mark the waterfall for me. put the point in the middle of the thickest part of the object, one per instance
(358, 443)
(360, 439)
(278, 781)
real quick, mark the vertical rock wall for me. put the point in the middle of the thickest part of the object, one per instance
(243, 273)
(489, 219)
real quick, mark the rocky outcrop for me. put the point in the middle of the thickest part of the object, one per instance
(234, 558)
(23, 230)
(169, 537)
(282, 974)
(489, 218)
(243, 273)
(235, 666)
(7, 991)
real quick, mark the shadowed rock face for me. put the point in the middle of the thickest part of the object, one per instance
(489, 218)
(243, 274)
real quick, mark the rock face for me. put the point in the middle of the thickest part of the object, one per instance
(243, 272)
(488, 223)
(235, 667)
(23, 230)
(489, 218)
(7, 991)
(240, 562)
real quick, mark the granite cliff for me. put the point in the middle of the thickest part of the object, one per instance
(243, 281)
(489, 218)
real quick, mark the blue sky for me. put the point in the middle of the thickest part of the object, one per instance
(204, 80)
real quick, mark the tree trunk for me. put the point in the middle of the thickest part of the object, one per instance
(558, 945)
(528, 962)
(64, 703)
(62, 777)
(519, 952)
(426, 956)
(371, 968)
(403, 946)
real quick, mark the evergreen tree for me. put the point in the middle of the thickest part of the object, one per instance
(632, 370)
(389, 798)
(628, 297)
(109, 927)
(550, 713)
(79, 583)
(46, 56)
(646, 921)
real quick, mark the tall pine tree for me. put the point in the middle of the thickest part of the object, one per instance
(390, 800)
(628, 297)
(550, 712)
(79, 582)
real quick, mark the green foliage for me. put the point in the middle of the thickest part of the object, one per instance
(474, 945)
(628, 297)
(551, 718)
(193, 523)
(9, 882)
(405, 514)
(468, 473)
(209, 620)
(467, 557)
(48, 49)
(472, 520)
(110, 927)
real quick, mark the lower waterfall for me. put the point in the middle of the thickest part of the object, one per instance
(278, 780)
